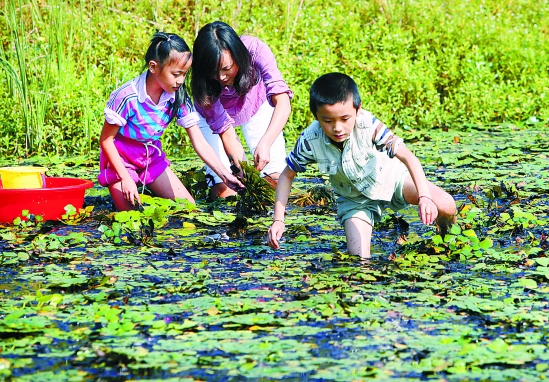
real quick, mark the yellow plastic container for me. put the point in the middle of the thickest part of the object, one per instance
(22, 177)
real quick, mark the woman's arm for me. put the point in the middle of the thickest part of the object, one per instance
(208, 155)
(106, 140)
(233, 146)
(221, 123)
(280, 116)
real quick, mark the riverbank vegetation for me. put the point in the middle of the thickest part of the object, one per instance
(182, 292)
(420, 64)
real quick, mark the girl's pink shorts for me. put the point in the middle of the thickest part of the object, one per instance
(144, 163)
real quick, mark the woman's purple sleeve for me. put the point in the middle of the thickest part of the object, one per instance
(264, 59)
(217, 117)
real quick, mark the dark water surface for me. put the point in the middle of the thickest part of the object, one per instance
(202, 298)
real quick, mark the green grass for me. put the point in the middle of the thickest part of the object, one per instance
(419, 64)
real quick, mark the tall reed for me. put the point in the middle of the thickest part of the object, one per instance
(292, 28)
(18, 72)
(33, 95)
(38, 62)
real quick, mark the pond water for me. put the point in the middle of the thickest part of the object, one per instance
(199, 296)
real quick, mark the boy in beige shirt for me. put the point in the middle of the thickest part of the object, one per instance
(369, 167)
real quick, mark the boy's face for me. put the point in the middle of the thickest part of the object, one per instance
(338, 120)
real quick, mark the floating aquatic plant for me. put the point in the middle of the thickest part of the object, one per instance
(319, 195)
(258, 196)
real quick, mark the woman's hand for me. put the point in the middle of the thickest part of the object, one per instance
(427, 210)
(130, 191)
(262, 156)
(262, 153)
(232, 182)
(275, 233)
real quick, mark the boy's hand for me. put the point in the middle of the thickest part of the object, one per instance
(275, 233)
(427, 210)
(130, 191)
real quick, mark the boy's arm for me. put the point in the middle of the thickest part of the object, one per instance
(282, 192)
(426, 207)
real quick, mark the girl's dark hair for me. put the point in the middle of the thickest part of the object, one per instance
(162, 44)
(208, 48)
(333, 88)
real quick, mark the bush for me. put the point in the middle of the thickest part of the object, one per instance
(422, 63)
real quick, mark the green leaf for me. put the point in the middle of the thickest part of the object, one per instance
(469, 233)
(498, 346)
(543, 261)
(486, 243)
(527, 283)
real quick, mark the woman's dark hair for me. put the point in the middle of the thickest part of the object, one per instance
(162, 44)
(208, 48)
(333, 88)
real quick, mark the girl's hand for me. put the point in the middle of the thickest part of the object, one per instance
(427, 210)
(129, 190)
(262, 156)
(275, 233)
(232, 182)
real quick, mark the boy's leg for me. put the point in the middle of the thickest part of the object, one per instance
(446, 205)
(168, 186)
(359, 237)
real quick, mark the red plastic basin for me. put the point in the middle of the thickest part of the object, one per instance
(49, 202)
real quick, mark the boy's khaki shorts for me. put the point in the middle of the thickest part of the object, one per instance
(370, 210)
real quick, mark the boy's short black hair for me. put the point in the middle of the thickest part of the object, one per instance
(333, 88)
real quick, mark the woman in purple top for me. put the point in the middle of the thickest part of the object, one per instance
(236, 82)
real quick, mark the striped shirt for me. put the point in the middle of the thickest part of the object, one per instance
(383, 139)
(365, 167)
(139, 117)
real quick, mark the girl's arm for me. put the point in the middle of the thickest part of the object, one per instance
(129, 188)
(280, 116)
(221, 123)
(208, 155)
(424, 202)
(282, 193)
